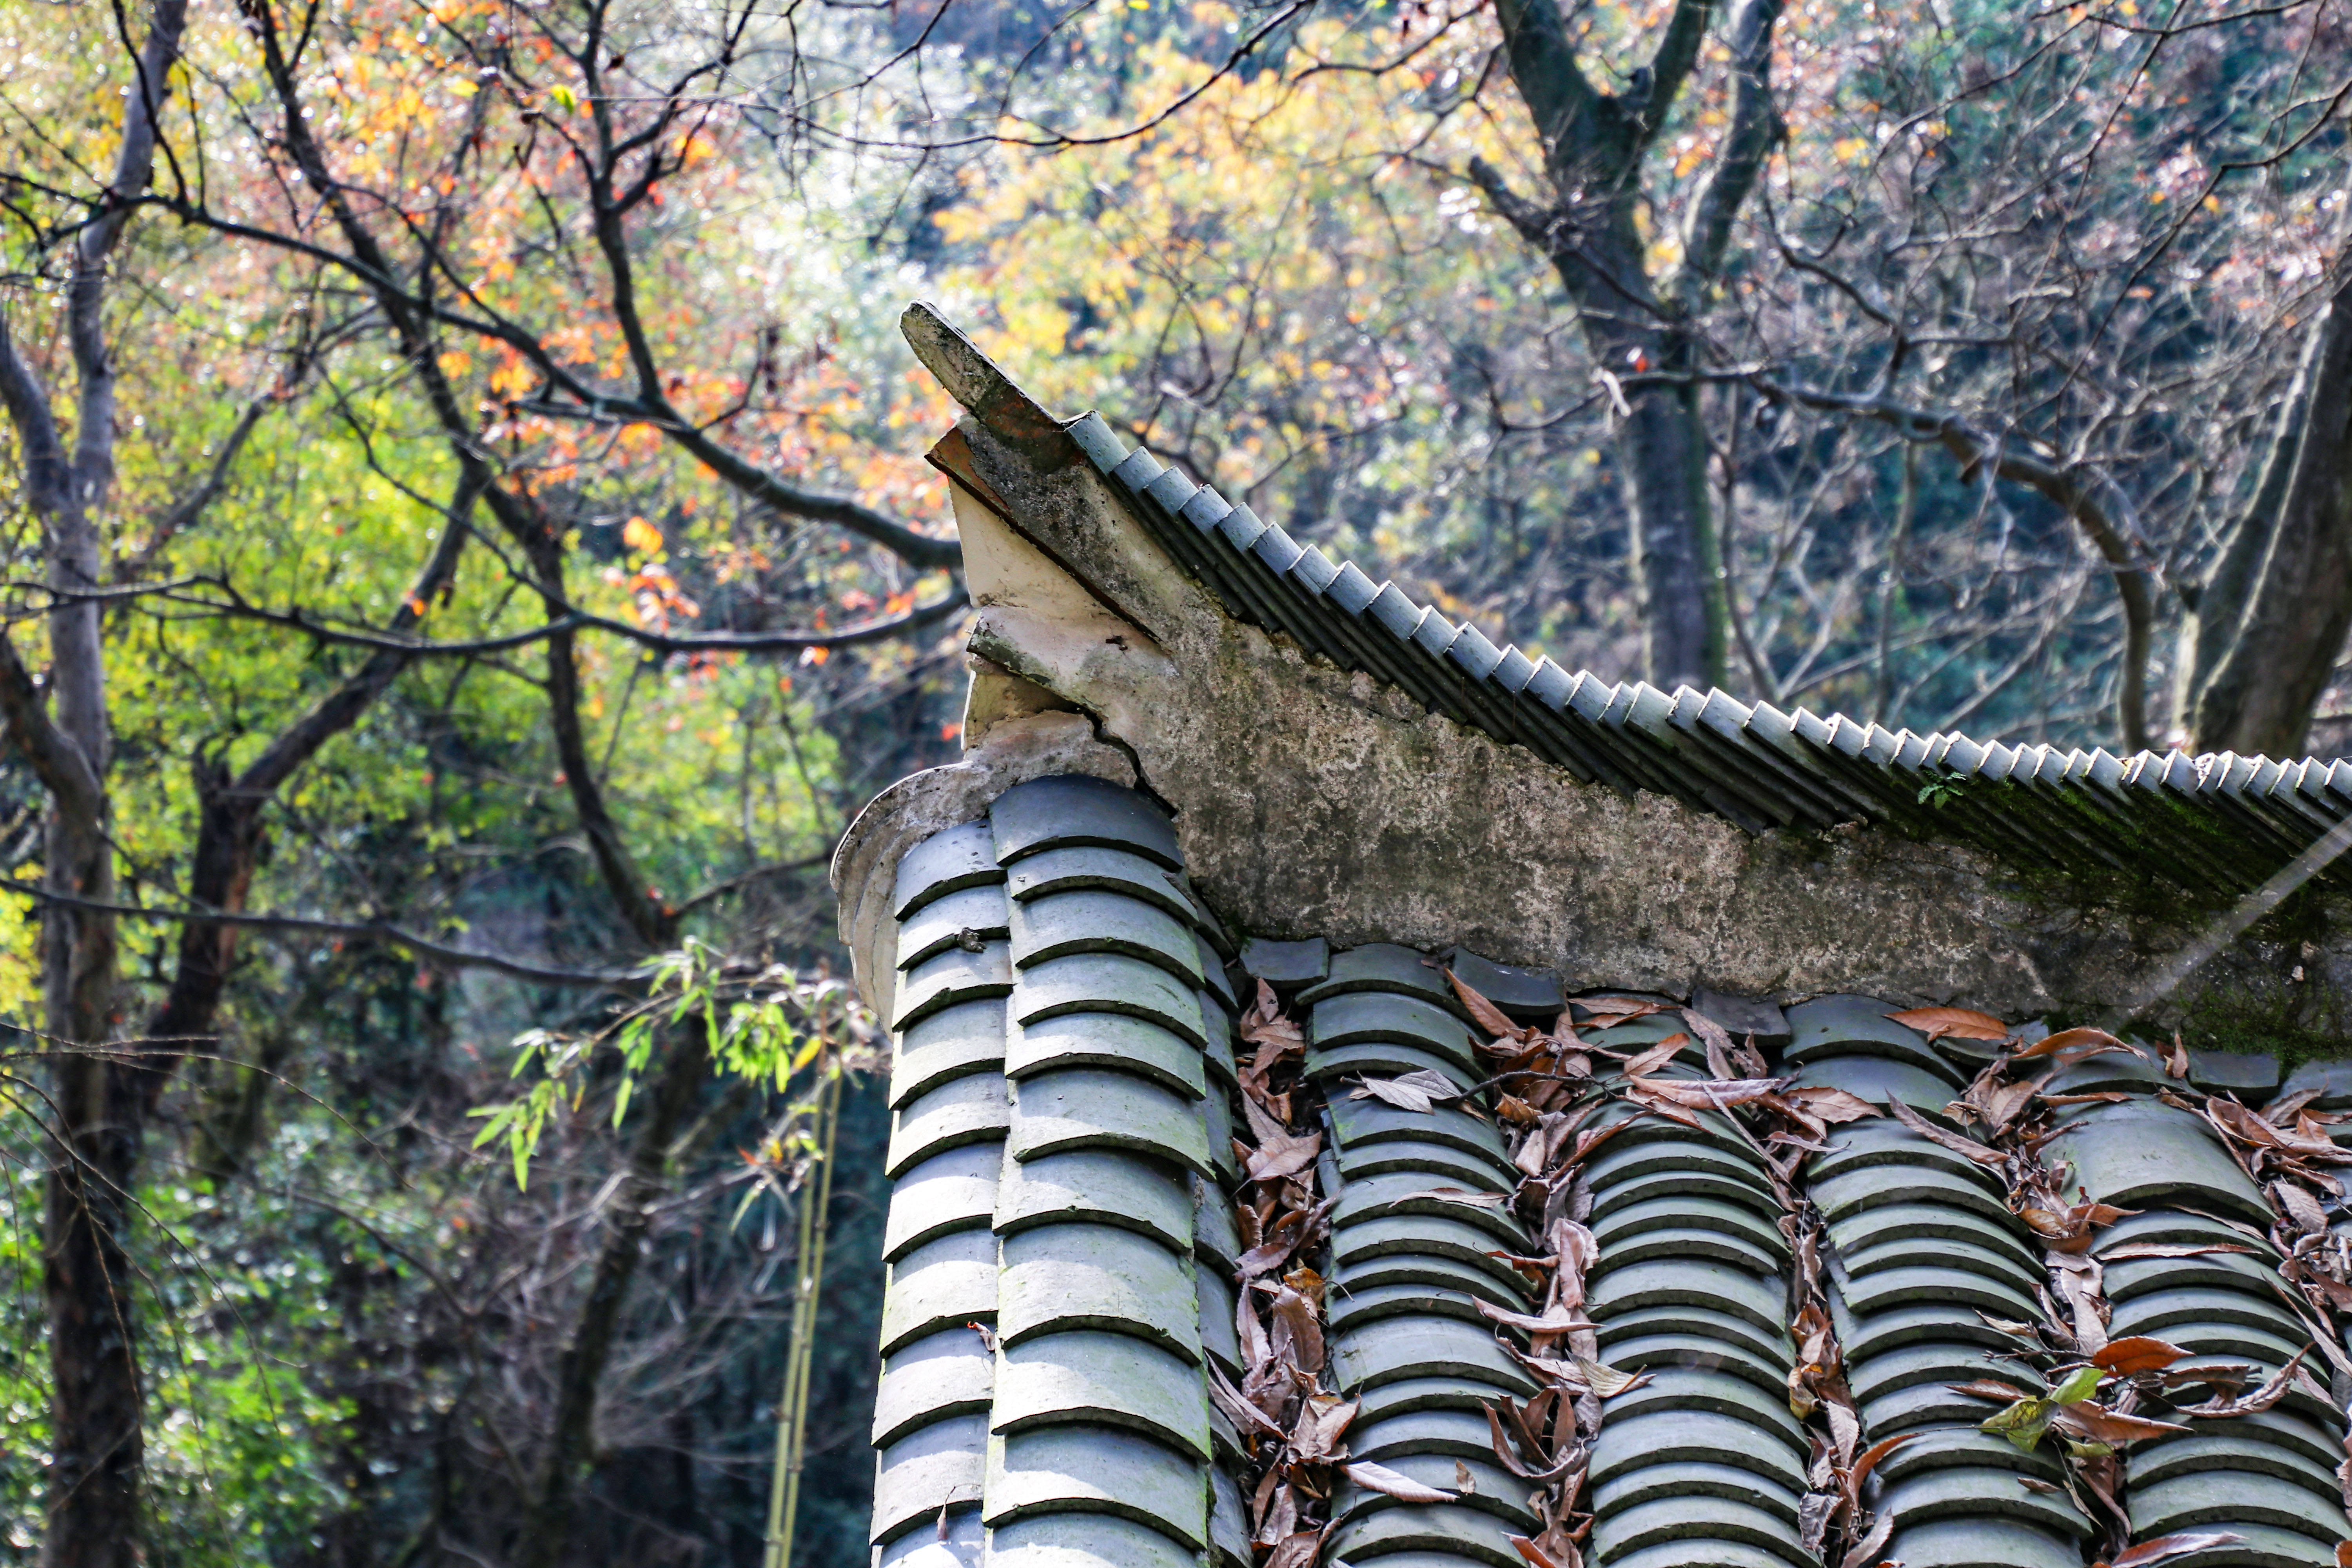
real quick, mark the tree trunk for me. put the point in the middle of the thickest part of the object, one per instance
(1593, 145)
(2260, 697)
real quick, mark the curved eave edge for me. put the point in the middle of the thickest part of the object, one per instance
(2207, 824)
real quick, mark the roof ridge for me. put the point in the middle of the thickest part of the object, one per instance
(2189, 820)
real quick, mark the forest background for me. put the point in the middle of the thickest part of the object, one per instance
(469, 555)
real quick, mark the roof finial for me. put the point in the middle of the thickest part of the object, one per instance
(972, 379)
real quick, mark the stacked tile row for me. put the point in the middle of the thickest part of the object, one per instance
(1061, 1015)
(950, 1112)
(1411, 1259)
(1099, 1427)
(1703, 1465)
(2269, 1478)
(2205, 823)
(1920, 1248)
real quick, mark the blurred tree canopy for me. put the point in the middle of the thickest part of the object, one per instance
(470, 555)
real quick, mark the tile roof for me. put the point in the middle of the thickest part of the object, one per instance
(2189, 818)
(2209, 824)
(1063, 1256)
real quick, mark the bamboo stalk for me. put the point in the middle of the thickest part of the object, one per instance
(792, 1405)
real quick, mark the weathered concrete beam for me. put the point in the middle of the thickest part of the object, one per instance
(1317, 802)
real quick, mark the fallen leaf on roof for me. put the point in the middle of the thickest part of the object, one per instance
(2071, 1044)
(1490, 1018)
(1959, 1023)
(2182, 1542)
(1656, 1056)
(1461, 1195)
(1832, 1105)
(1418, 1091)
(1393, 1483)
(2272, 1390)
(2098, 1425)
(1607, 1381)
(1708, 1094)
(1969, 1147)
(2134, 1354)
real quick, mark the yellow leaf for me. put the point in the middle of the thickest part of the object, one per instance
(642, 536)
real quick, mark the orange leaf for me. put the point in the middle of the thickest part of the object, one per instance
(1958, 1022)
(2136, 1353)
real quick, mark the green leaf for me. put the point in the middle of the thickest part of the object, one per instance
(2080, 1384)
(2022, 1423)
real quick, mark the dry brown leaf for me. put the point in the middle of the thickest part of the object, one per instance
(1392, 1483)
(2095, 1425)
(2182, 1542)
(1832, 1105)
(1656, 1056)
(1865, 1551)
(1297, 1334)
(2301, 1207)
(1323, 1419)
(1607, 1381)
(2175, 1064)
(2272, 1390)
(1999, 1103)
(1958, 1022)
(2069, 1040)
(1296, 1550)
(1537, 1557)
(1986, 1388)
(2134, 1354)
(1416, 1091)
(2131, 1249)
(1969, 1147)
(1515, 1111)
(1607, 1012)
(1490, 1018)
(1867, 1460)
(1460, 1195)
(1704, 1094)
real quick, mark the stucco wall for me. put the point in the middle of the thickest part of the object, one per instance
(1315, 801)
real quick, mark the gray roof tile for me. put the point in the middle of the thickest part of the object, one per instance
(1072, 810)
(1089, 867)
(1384, 1016)
(942, 1285)
(1654, 1483)
(942, 864)
(1112, 1041)
(1070, 923)
(1287, 963)
(1095, 1473)
(1084, 1540)
(2142, 1154)
(959, 918)
(971, 1110)
(1089, 1377)
(951, 977)
(1108, 982)
(1449, 1530)
(1079, 1276)
(953, 1191)
(950, 1373)
(968, 1038)
(1676, 1522)
(1100, 1187)
(1687, 1436)
(1399, 1349)
(1982, 1543)
(1084, 1108)
(1972, 1495)
(2233, 1497)
(929, 1468)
